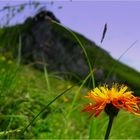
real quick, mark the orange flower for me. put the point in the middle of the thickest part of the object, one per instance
(118, 97)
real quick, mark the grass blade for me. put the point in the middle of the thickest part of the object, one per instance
(104, 32)
(113, 67)
(31, 122)
(81, 45)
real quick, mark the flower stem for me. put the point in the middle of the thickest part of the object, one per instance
(111, 118)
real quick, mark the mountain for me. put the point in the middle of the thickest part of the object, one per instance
(39, 39)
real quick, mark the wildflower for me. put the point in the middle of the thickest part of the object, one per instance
(111, 100)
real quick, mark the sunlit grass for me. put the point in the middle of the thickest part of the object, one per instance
(31, 95)
(25, 92)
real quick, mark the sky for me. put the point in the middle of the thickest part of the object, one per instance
(88, 18)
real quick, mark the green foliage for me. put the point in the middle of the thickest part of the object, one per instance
(25, 92)
(28, 94)
(95, 56)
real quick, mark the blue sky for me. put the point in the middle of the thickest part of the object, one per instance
(89, 17)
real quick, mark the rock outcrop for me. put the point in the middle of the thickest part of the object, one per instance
(43, 44)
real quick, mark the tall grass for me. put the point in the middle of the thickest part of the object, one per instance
(42, 117)
(93, 123)
(8, 86)
(77, 93)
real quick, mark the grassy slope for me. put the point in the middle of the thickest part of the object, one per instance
(9, 37)
(100, 58)
(29, 93)
(97, 57)
(23, 97)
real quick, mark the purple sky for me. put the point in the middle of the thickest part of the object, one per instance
(88, 18)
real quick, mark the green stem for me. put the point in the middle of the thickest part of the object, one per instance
(31, 122)
(81, 45)
(111, 118)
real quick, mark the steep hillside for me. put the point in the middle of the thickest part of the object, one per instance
(39, 41)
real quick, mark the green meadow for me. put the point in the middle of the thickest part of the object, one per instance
(26, 91)
(42, 104)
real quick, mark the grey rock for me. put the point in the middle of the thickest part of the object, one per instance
(44, 45)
